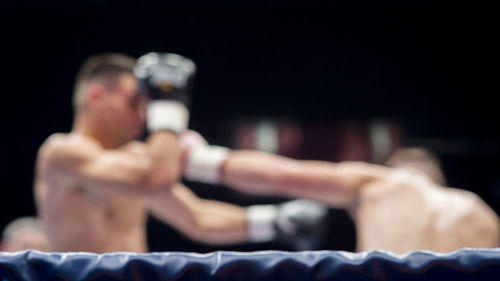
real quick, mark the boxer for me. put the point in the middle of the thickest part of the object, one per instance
(95, 185)
(401, 207)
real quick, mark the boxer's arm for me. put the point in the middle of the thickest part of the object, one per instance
(115, 170)
(163, 154)
(166, 79)
(334, 183)
(296, 222)
(202, 220)
(266, 174)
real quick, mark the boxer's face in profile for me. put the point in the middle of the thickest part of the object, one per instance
(125, 108)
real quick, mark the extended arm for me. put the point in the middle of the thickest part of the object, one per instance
(334, 183)
(256, 172)
(297, 223)
(202, 220)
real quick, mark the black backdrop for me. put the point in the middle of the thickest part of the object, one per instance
(428, 65)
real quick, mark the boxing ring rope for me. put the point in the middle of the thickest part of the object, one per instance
(466, 264)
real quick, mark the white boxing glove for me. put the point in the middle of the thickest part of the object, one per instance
(202, 162)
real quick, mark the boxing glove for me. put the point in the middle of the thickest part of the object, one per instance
(299, 224)
(201, 162)
(166, 79)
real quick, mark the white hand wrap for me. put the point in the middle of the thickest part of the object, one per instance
(167, 115)
(260, 222)
(204, 163)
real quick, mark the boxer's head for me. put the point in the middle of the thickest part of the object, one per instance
(420, 159)
(106, 92)
(23, 234)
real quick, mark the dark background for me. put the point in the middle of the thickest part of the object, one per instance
(427, 65)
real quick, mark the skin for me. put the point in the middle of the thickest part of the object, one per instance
(29, 239)
(394, 209)
(95, 186)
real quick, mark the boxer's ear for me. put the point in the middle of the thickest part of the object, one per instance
(95, 94)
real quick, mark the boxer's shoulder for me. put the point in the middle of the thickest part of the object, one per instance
(55, 138)
(59, 148)
(53, 141)
(466, 201)
(73, 140)
(396, 184)
(61, 139)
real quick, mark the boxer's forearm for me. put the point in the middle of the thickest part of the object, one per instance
(220, 223)
(164, 151)
(165, 78)
(202, 220)
(267, 174)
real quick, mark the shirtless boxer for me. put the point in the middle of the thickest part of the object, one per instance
(401, 207)
(95, 185)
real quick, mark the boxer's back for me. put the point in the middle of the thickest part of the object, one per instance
(78, 218)
(465, 221)
(407, 212)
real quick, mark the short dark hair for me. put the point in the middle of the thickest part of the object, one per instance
(105, 68)
(420, 158)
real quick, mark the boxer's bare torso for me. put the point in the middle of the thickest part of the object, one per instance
(78, 217)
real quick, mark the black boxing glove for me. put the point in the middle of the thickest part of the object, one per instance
(167, 80)
(300, 224)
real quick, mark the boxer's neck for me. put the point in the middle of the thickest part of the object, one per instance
(87, 126)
